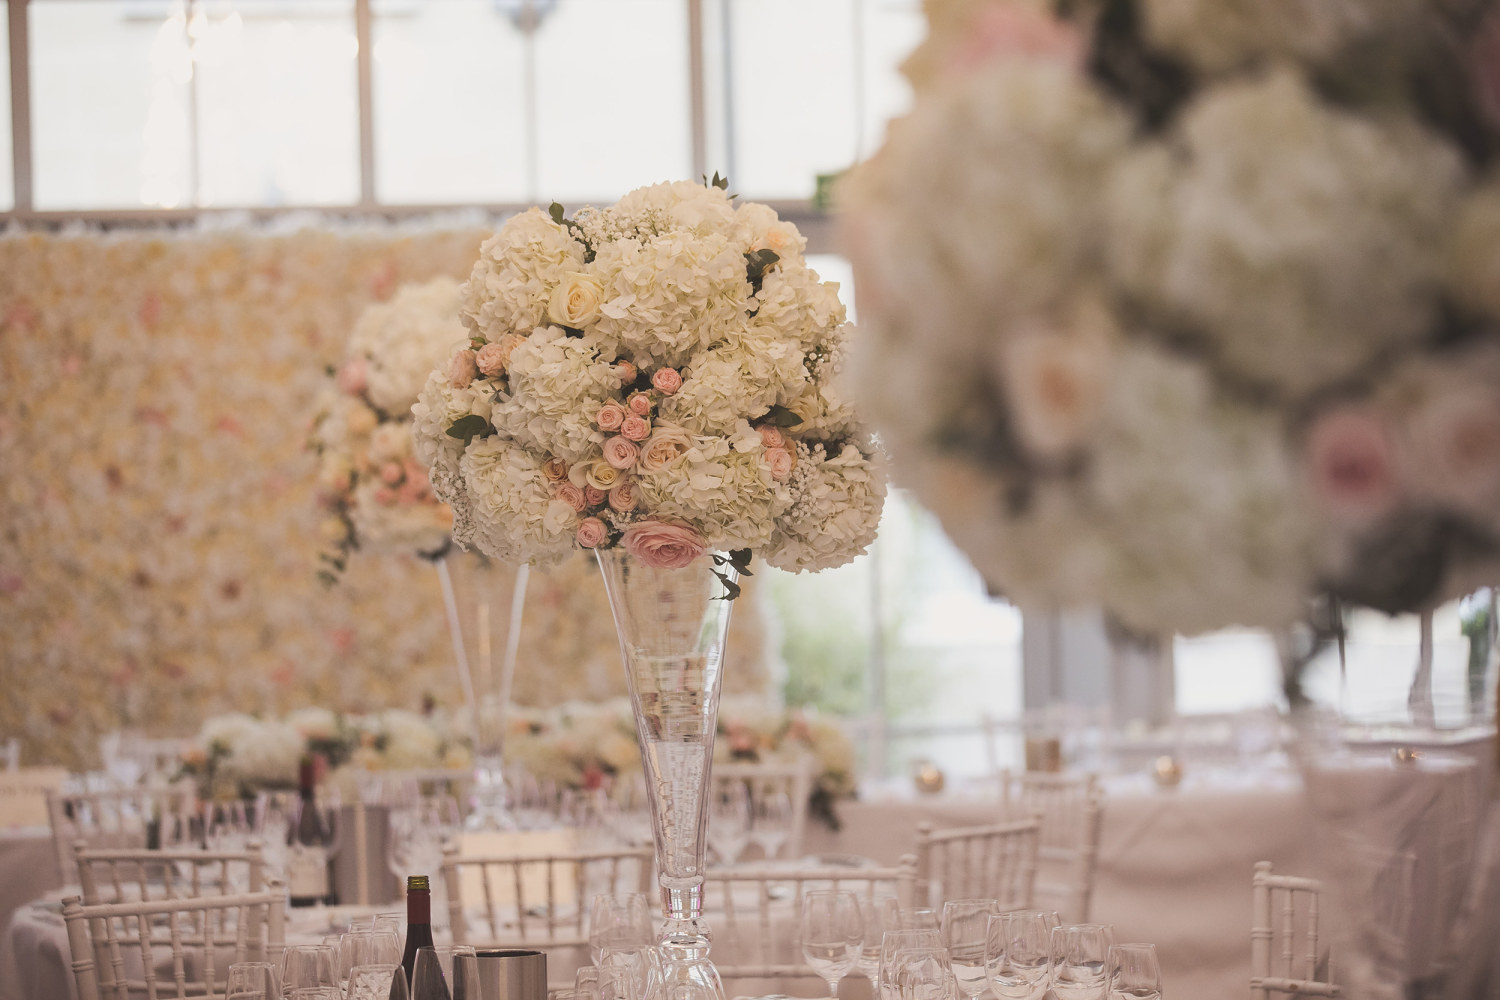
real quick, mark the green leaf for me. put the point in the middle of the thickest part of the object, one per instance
(722, 183)
(776, 416)
(731, 589)
(740, 560)
(757, 263)
(556, 211)
(471, 427)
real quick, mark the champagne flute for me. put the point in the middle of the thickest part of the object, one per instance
(373, 982)
(253, 981)
(1018, 952)
(831, 931)
(1080, 961)
(1134, 973)
(964, 930)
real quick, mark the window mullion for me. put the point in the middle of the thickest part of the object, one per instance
(20, 106)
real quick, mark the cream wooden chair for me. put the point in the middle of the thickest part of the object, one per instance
(794, 779)
(1284, 911)
(996, 861)
(116, 818)
(535, 901)
(115, 875)
(754, 908)
(171, 947)
(1071, 807)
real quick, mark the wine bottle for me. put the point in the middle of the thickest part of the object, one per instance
(418, 921)
(307, 860)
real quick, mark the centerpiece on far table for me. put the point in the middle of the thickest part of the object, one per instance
(654, 381)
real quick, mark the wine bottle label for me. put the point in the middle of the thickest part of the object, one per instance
(306, 871)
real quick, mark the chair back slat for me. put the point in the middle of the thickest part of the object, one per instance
(995, 861)
(1286, 954)
(1071, 807)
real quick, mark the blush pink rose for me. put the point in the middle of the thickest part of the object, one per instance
(385, 497)
(392, 473)
(1003, 30)
(666, 381)
(593, 496)
(591, 532)
(462, 370)
(625, 371)
(571, 495)
(771, 437)
(610, 416)
(353, 376)
(636, 428)
(1351, 464)
(492, 359)
(623, 496)
(663, 546)
(621, 452)
(639, 403)
(781, 462)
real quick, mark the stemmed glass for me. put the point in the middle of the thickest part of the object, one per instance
(964, 930)
(919, 918)
(620, 940)
(771, 825)
(1018, 952)
(880, 914)
(832, 932)
(366, 948)
(373, 982)
(253, 981)
(1134, 973)
(729, 821)
(1080, 960)
(921, 974)
(305, 966)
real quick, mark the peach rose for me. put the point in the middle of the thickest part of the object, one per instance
(593, 496)
(667, 444)
(639, 404)
(666, 381)
(575, 302)
(1351, 464)
(492, 359)
(663, 546)
(570, 495)
(636, 428)
(621, 452)
(625, 371)
(555, 470)
(462, 369)
(591, 532)
(781, 462)
(353, 376)
(624, 496)
(610, 416)
(771, 437)
(601, 475)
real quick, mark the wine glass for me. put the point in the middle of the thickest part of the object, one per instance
(305, 966)
(315, 993)
(445, 974)
(729, 821)
(880, 914)
(771, 824)
(964, 931)
(1134, 973)
(366, 948)
(831, 931)
(373, 982)
(921, 974)
(253, 981)
(1018, 952)
(892, 943)
(1080, 960)
(620, 940)
(914, 918)
(586, 982)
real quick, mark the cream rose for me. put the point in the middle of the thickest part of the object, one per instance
(621, 452)
(575, 302)
(601, 475)
(666, 445)
(361, 420)
(663, 546)
(591, 532)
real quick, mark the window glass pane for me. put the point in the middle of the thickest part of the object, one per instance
(109, 104)
(1226, 672)
(449, 103)
(7, 187)
(612, 98)
(277, 101)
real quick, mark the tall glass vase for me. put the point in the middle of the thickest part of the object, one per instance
(672, 625)
(484, 605)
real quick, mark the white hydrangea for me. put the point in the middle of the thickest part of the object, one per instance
(743, 377)
(1300, 241)
(437, 408)
(404, 339)
(759, 229)
(834, 510)
(515, 519)
(1473, 259)
(557, 384)
(673, 205)
(727, 493)
(409, 741)
(518, 267)
(409, 527)
(798, 305)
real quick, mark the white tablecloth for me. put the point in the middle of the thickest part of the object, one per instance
(28, 868)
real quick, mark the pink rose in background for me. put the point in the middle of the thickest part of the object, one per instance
(1351, 464)
(623, 496)
(392, 473)
(385, 497)
(666, 380)
(413, 492)
(570, 495)
(1484, 66)
(639, 403)
(1450, 446)
(593, 496)
(1012, 29)
(625, 371)
(781, 462)
(591, 532)
(610, 416)
(771, 437)
(353, 376)
(663, 546)
(621, 452)
(492, 359)
(555, 470)
(636, 428)
(462, 369)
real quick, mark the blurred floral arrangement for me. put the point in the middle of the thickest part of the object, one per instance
(747, 731)
(1194, 305)
(656, 374)
(375, 492)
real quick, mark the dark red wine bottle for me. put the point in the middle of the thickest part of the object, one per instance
(418, 921)
(307, 862)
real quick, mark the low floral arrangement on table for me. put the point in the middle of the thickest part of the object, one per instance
(657, 374)
(1194, 305)
(376, 493)
(756, 735)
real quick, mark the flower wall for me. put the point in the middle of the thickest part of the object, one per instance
(159, 529)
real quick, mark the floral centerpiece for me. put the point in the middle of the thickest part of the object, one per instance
(375, 492)
(1193, 304)
(756, 735)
